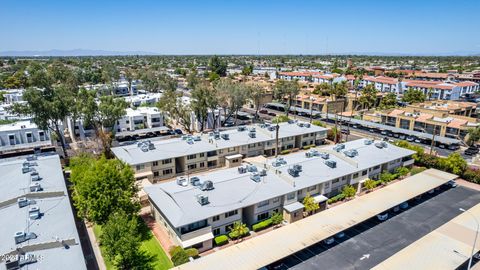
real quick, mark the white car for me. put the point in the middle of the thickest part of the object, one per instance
(404, 205)
(329, 241)
(452, 184)
(382, 216)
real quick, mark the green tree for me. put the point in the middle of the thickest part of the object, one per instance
(101, 187)
(310, 204)
(171, 103)
(231, 97)
(388, 101)
(386, 177)
(368, 96)
(402, 171)
(370, 184)
(276, 218)
(256, 96)
(179, 255)
(473, 135)
(286, 89)
(319, 123)
(322, 89)
(349, 191)
(48, 107)
(247, 70)
(204, 99)
(238, 230)
(413, 96)
(218, 66)
(121, 241)
(192, 79)
(454, 163)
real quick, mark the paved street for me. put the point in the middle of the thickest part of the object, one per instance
(371, 242)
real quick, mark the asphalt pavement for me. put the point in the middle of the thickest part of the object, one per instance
(373, 241)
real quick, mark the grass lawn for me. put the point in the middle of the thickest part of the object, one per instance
(161, 261)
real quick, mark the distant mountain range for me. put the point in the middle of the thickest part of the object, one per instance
(75, 52)
(84, 52)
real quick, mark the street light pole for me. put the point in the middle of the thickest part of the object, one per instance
(312, 99)
(474, 241)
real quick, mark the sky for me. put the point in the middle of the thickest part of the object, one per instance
(243, 27)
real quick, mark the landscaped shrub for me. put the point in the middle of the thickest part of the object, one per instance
(306, 147)
(349, 191)
(262, 225)
(221, 240)
(276, 218)
(402, 171)
(179, 255)
(336, 198)
(286, 151)
(192, 252)
(387, 177)
(416, 170)
(472, 175)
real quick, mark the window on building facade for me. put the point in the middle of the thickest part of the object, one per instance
(216, 231)
(167, 161)
(264, 203)
(167, 171)
(191, 156)
(155, 163)
(192, 166)
(140, 167)
(312, 188)
(216, 218)
(156, 174)
(231, 213)
(291, 196)
(262, 216)
(364, 172)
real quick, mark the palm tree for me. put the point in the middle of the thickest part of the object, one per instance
(239, 230)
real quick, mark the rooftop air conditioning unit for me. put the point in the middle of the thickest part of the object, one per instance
(32, 157)
(241, 128)
(368, 141)
(379, 145)
(34, 212)
(35, 176)
(182, 181)
(195, 181)
(35, 187)
(252, 129)
(242, 170)
(207, 185)
(351, 153)
(151, 146)
(225, 136)
(23, 201)
(297, 167)
(197, 138)
(21, 237)
(311, 153)
(325, 155)
(300, 124)
(202, 199)
(263, 172)
(291, 121)
(331, 163)
(255, 177)
(251, 168)
(216, 135)
(307, 125)
(339, 147)
(293, 172)
(271, 128)
(252, 134)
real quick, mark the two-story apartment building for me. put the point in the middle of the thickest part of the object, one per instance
(195, 209)
(164, 159)
(23, 135)
(140, 118)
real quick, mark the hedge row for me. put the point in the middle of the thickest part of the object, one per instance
(262, 225)
(336, 198)
(221, 240)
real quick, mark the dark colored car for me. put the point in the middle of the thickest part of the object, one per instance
(178, 131)
(272, 114)
(263, 111)
(471, 151)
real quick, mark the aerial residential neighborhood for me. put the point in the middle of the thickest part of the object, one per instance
(249, 135)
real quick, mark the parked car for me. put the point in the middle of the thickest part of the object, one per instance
(384, 132)
(263, 111)
(345, 131)
(382, 216)
(340, 235)
(451, 184)
(329, 241)
(272, 114)
(396, 208)
(402, 137)
(471, 151)
(418, 140)
(404, 205)
(178, 131)
(410, 139)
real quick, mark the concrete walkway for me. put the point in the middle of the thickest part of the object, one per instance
(158, 231)
(468, 184)
(96, 248)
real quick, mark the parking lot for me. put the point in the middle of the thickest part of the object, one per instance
(369, 243)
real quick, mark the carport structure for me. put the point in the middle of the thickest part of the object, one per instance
(277, 244)
(448, 247)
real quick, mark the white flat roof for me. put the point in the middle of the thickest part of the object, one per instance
(176, 147)
(447, 247)
(275, 245)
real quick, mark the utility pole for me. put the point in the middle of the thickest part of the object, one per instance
(277, 127)
(433, 139)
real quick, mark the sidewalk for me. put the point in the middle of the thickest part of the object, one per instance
(468, 184)
(96, 248)
(160, 233)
